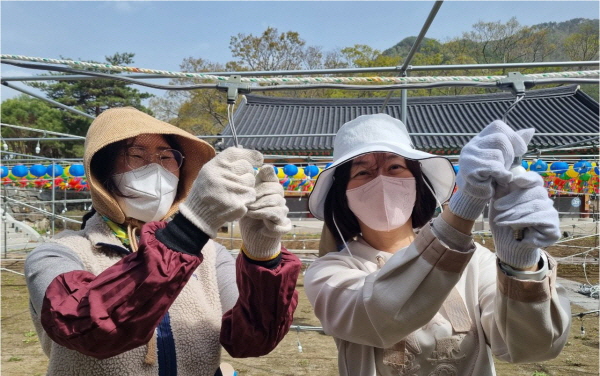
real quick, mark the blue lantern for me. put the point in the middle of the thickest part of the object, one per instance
(37, 170)
(328, 164)
(20, 171)
(58, 170)
(525, 164)
(559, 167)
(582, 167)
(290, 169)
(76, 170)
(456, 169)
(539, 166)
(4, 171)
(311, 171)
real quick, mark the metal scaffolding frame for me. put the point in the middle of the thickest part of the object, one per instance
(234, 86)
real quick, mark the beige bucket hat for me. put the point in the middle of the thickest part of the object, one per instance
(121, 123)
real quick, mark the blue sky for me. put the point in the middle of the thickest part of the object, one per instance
(163, 33)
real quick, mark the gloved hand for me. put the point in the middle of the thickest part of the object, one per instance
(484, 162)
(222, 190)
(523, 204)
(266, 220)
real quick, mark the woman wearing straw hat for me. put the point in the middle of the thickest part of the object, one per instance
(107, 303)
(433, 302)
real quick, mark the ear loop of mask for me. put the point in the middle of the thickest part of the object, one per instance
(338, 229)
(341, 237)
(438, 203)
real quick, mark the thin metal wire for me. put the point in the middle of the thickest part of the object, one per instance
(232, 125)
(512, 106)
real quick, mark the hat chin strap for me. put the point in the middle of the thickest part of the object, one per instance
(341, 237)
(438, 203)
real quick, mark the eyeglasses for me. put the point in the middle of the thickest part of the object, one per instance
(137, 157)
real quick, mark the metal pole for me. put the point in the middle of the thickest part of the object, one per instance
(4, 222)
(349, 70)
(409, 57)
(403, 115)
(41, 131)
(57, 104)
(43, 139)
(53, 196)
(470, 134)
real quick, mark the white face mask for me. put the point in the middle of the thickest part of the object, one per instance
(385, 203)
(152, 190)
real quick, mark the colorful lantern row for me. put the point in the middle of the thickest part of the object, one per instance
(39, 171)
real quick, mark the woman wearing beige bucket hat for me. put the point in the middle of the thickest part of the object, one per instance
(432, 302)
(107, 303)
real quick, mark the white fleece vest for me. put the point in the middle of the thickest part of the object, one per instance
(195, 316)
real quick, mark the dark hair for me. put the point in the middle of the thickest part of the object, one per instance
(103, 162)
(337, 203)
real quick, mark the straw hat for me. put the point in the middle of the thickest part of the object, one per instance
(379, 133)
(118, 124)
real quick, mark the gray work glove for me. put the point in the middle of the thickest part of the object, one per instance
(222, 190)
(525, 204)
(485, 162)
(266, 220)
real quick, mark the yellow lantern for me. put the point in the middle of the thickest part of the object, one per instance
(300, 175)
(280, 173)
(571, 173)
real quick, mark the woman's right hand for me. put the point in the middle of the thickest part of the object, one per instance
(485, 162)
(223, 189)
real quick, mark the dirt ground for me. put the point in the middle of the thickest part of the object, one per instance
(22, 354)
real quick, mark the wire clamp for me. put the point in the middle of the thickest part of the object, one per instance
(516, 83)
(233, 86)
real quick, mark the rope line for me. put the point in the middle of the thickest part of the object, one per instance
(294, 80)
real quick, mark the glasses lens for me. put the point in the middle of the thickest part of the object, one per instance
(136, 157)
(171, 159)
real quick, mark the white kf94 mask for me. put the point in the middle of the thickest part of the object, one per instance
(150, 192)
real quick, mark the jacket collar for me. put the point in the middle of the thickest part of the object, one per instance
(101, 236)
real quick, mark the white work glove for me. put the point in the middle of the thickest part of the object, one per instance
(523, 204)
(222, 190)
(485, 162)
(266, 220)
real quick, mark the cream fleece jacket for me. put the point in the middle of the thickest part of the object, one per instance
(431, 310)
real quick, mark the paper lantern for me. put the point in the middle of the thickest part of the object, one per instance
(4, 171)
(311, 171)
(582, 166)
(585, 177)
(539, 166)
(299, 175)
(20, 171)
(559, 167)
(56, 168)
(571, 173)
(37, 170)
(328, 164)
(456, 169)
(290, 170)
(525, 164)
(76, 170)
(595, 171)
(280, 173)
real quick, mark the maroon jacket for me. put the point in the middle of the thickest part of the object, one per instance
(119, 309)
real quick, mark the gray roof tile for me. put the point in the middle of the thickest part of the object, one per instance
(562, 109)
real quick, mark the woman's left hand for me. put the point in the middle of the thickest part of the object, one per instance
(523, 204)
(266, 220)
